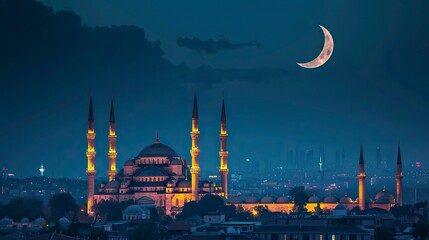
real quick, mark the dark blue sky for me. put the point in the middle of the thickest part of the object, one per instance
(374, 88)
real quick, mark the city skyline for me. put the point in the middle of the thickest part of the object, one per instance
(373, 89)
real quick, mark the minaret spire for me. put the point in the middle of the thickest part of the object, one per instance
(223, 152)
(361, 178)
(112, 154)
(195, 152)
(90, 154)
(399, 177)
(157, 137)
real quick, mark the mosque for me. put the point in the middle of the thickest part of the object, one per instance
(159, 177)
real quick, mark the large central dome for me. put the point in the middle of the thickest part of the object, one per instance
(158, 150)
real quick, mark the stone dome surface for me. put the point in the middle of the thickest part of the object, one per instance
(145, 201)
(129, 163)
(112, 184)
(384, 197)
(314, 199)
(6, 221)
(346, 199)
(252, 199)
(267, 199)
(330, 199)
(150, 171)
(184, 183)
(284, 199)
(63, 222)
(158, 150)
(133, 210)
(236, 199)
(40, 221)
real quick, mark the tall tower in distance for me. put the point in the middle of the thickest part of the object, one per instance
(90, 154)
(195, 152)
(361, 177)
(399, 177)
(223, 152)
(112, 145)
(41, 169)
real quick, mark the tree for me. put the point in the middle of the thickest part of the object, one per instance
(190, 209)
(383, 233)
(63, 205)
(420, 230)
(109, 210)
(211, 203)
(300, 197)
(97, 234)
(19, 208)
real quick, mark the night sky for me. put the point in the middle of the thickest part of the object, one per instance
(151, 56)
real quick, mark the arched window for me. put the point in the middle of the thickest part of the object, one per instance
(177, 202)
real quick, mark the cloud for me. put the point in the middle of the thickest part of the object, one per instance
(212, 46)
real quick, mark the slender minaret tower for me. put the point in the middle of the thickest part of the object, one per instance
(90, 154)
(399, 177)
(361, 177)
(112, 145)
(223, 152)
(195, 152)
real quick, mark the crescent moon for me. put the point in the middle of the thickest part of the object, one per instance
(325, 54)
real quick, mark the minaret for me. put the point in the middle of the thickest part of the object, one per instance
(223, 152)
(399, 177)
(112, 145)
(90, 154)
(195, 152)
(361, 177)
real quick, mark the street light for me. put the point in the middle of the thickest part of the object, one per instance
(254, 213)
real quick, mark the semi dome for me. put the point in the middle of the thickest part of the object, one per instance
(158, 150)
(25, 220)
(384, 197)
(129, 163)
(267, 199)
(176, 161)
(112, 184)
(184, 183)
(314, 199)
(150, 171)
(145, 201)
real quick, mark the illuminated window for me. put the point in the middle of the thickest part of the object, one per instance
(333, 237)
(177, 202)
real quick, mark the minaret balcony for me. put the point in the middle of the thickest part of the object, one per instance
(223, 154)
(195, 170)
